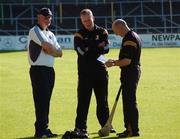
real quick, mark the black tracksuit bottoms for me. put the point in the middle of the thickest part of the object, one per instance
(86, 84)
(42, 80)
(129, 81)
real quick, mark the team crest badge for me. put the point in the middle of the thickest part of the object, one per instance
(97, 37)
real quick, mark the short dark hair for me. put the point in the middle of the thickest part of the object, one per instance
(45, 12)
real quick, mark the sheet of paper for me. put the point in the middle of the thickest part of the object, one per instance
(102, 59)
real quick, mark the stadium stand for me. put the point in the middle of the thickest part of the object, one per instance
(144, 16)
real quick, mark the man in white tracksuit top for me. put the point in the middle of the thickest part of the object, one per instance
(42, 48)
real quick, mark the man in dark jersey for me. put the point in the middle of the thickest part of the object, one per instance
(129, 62)
(90, 42)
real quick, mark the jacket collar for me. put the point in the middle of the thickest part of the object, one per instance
(41, 27)
(95, 27)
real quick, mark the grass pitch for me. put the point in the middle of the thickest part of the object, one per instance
(158, 95)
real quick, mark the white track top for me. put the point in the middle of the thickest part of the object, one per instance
(37, 35)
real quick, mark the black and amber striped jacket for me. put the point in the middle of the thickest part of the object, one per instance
(131, 49)
(86, 45)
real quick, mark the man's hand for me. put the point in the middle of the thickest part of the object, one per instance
(47, 47)
(102, 44)
(122, 63)
(110, 63)
(51, 50)
(86, 49)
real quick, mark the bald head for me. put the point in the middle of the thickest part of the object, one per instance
(119, 22)
(120, 27)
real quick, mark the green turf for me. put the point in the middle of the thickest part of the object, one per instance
(158, 95)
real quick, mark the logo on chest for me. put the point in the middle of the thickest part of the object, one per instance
(50, 37)
(97, 37)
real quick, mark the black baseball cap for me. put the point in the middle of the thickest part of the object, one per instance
(45, 12)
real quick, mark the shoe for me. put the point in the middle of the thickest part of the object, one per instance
(45, 134)
(67, 135)
(80, 133)
(126, 134)
(112, 130)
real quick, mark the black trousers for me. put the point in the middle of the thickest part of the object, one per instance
(86, 83)
(42, 80)
(129, 81)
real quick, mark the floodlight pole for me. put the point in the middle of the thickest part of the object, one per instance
(170, 8)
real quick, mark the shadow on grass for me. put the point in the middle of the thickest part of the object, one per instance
(11, 51)
(32, 137)
(27, 138)
(60, 136)
(93, 133)
(97, 137)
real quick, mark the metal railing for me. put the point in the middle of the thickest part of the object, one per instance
(19, 25)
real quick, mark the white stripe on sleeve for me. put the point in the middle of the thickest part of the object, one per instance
(40, 35)
(80, 51)
(106, 47)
